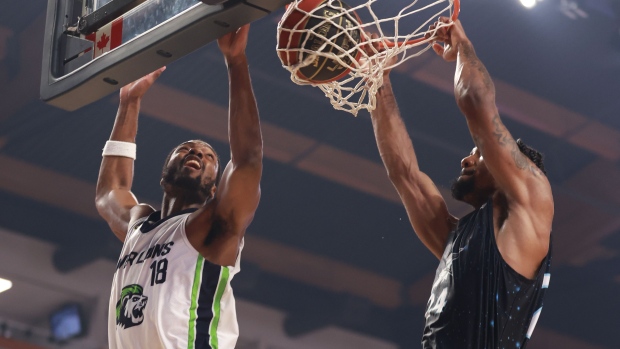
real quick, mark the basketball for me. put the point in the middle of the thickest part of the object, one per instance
(304, 31)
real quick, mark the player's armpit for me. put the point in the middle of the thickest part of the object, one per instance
(217, 228)
(427, 211)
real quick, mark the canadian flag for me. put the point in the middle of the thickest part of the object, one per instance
(107, 37)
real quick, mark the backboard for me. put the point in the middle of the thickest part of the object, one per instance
(94, 47)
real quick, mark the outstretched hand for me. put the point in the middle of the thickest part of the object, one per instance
(450, 36)
(375, 47)
(137, 89)
(233, 44)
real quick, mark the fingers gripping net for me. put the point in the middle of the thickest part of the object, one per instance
(330, 36)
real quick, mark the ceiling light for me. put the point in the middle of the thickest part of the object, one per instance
(528, 3)
(5, 285)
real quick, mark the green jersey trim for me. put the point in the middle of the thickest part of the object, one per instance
(221, 287)
(194, 303)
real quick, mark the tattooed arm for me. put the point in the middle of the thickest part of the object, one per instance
(523, 237)
(426, 208)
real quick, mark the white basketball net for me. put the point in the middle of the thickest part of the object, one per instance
(357, 90)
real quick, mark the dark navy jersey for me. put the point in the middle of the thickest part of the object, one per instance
(478, 301)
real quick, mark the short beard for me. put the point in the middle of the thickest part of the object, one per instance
(192, 189)
(460, 189)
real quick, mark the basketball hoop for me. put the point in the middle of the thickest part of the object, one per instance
(325, 43)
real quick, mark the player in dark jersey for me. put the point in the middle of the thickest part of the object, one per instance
(494, 266)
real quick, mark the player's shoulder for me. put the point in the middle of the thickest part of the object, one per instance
(139, 214)
(535, 196)
(140, 211)
(539, 195)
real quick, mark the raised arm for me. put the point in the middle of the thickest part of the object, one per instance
(113, 198)
(238, 193)
(526, 188)
(425, 206)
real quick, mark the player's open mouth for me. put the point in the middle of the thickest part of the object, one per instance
(467, 172)
(193, 163)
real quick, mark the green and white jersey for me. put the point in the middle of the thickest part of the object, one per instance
(166, 295)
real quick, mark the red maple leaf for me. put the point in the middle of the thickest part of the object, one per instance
(103, 42)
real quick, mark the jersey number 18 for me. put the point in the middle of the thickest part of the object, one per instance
(158, 271)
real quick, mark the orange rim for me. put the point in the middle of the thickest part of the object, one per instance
(309, 5)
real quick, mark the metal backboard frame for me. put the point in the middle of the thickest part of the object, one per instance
(72, 76)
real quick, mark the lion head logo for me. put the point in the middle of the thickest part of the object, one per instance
(130, 306)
